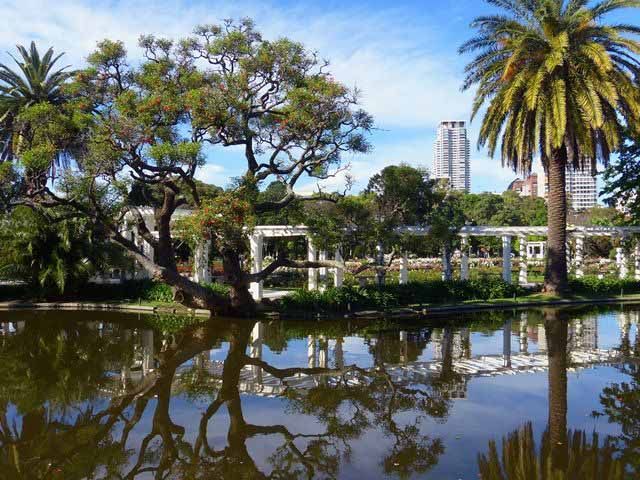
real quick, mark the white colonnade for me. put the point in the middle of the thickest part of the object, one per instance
(260, 233)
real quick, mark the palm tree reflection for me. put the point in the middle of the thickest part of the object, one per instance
(561, 454)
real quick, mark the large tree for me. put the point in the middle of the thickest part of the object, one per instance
(152, 124)
(622, 180)
(558, 83)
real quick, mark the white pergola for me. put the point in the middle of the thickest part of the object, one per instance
(465, 233)
(262, 232)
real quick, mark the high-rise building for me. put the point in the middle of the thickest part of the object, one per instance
(451, 155)
(581, 187)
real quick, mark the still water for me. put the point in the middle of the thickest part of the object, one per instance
(536, 394)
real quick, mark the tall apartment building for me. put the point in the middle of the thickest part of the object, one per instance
(451, 155)
(581, 187)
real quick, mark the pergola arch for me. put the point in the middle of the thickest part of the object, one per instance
(259, 233)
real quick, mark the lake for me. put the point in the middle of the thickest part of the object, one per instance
(515, 394)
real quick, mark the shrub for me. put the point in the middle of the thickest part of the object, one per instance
(595, 286)
(393, 295)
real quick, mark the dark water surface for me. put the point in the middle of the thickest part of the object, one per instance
(537, 394)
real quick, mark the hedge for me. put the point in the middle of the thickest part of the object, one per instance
(390, 296)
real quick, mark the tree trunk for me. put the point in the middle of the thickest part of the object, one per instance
(241, 301)
(556, 329)
(555, 279)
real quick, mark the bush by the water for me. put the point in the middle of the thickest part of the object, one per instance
(390, 296)
(594, 286)
(130, 290)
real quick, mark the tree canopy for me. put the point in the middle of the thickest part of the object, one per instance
(147, 128)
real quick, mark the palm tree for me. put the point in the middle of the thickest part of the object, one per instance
(557, 83)
(34, 82)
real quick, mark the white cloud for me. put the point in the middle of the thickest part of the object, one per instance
(409, 80)
(403, 82)
(214, 174)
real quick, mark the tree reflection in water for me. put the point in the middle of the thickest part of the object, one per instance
(76, 403)
(621, 401)
(562, 454)
(80, 435)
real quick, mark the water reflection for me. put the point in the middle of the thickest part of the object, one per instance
(275, 400)
(562, 454)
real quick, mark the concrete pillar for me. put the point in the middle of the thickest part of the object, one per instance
(255, 350)
(322, 271)
(149, 252)
(579, 260)
(621, 261)
(506, 258)
(523, 276)
(338, 272)
(404, 269)
(312, 256)
(201, 270)
(464, 260)
(256, 242)
(636, 259)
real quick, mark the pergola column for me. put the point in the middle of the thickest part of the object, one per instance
(312, 256)
(523, 276)
(338, 272)
(201, 270)
(404, 269)
(637, 260)
(579, 260)
(621, 260)
(322, 271)
(256, 242)
(506, 258)
(464, 259)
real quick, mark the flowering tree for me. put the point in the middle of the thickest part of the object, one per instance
(150, 124)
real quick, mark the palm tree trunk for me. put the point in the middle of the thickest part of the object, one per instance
(556, 329)
(555, 279)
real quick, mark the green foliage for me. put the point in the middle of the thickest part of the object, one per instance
(33, 83)
(587, 458)
(52, 253)
(553, 76)
(351, 298)
(594, 286)
(170, 323)
(622, 179)
(403, 194)
(508, 209)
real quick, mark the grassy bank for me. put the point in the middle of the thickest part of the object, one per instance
(440, 293)
(348, 299)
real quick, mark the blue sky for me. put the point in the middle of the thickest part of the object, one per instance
(402, 55)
